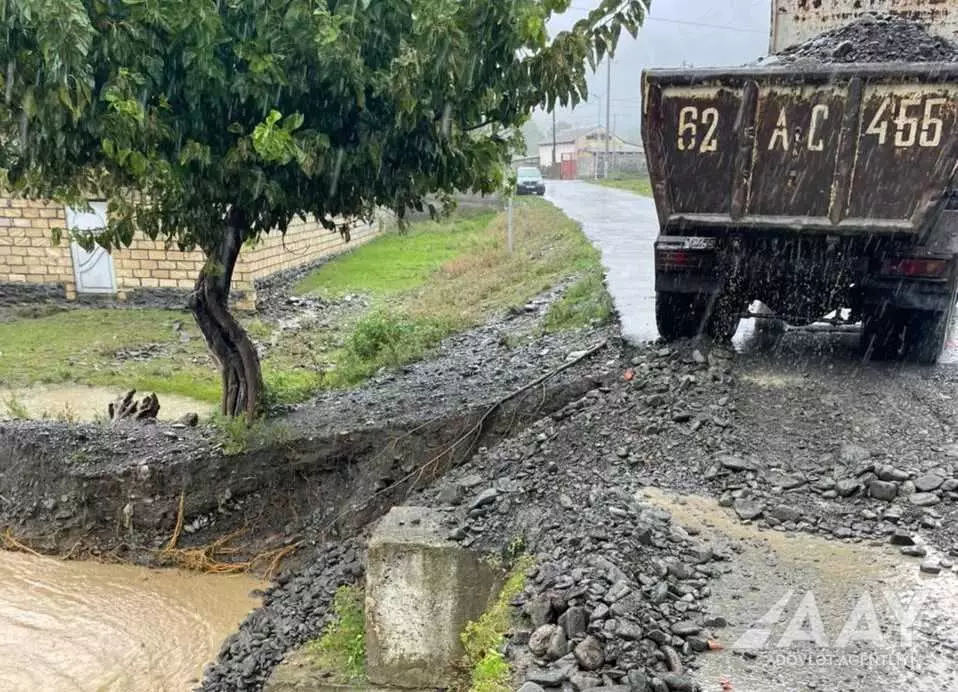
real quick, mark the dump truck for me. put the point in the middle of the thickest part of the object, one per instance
(813, 188)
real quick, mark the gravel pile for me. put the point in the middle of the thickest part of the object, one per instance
(295, 609)
(873, 38)
(618, 596)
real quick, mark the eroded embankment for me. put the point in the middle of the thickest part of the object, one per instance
(96, 490)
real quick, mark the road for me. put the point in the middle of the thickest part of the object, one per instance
(623, 226)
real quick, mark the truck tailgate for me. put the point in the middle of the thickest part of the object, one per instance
(838, 149)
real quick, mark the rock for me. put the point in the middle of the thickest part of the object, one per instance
(890, 473)
(847, 487)
(190, 420)
(589, 653)
(609, 688)
(531, 687)
(924, 499)
(484, 498)
(658, 685)
(686, 628)
(681, 570)
(736, 463)
(913, 551)
(558, 645)
(930, 566)
(547, 677)
(678, 683)
(539, 641)
(785, 513)
(539, 610)
(628, 630)
(716, 621)
(901, 537)
(672, 659)
(928, 482)
(618, 590)
(883, 490)
(450, 494)
(585, 681)
(576, 621)
(638, 680)
(950, 485)
(748, 509)
(842, 532)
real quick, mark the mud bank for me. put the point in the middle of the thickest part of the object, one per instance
(93, 489)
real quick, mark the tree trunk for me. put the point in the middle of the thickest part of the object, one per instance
(231, 346)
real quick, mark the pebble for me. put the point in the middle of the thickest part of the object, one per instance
(930, 566)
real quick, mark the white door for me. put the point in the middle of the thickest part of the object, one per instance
(94, 269)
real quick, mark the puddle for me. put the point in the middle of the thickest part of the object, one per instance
(85, 626)
(83, 403)
(806, 613)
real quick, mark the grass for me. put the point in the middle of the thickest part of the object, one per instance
(483, 639)
(341, 650)
(439, 278)
(586, 302)
(640, 185)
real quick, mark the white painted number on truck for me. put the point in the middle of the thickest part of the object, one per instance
(916, 122)
(690, 120)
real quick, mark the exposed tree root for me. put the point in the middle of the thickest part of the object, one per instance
(213, 558)
(8, 542)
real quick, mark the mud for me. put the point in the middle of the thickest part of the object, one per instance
(773, 568)
(79, 403)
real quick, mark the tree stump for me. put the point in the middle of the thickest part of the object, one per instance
(126, 408)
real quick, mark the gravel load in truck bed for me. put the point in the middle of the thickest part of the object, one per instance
(873, 38)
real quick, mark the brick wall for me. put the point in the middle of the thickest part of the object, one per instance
(27, 255)
(32, 267)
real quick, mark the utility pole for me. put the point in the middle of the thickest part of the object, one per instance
(608, 110)
(553, 136)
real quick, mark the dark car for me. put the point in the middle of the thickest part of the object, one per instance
(529, 181)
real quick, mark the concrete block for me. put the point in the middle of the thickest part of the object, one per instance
(421, 591)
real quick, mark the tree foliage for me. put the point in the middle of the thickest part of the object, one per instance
(198, 119)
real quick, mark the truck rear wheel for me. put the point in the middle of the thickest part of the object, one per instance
(724, 317)
(930, 332)
(679, 315)
(914, 335)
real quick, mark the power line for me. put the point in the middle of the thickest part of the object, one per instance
(685, 22)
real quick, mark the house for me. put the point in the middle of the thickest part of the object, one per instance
(33, 269)
(587, 146)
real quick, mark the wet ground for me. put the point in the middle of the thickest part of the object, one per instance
(85, 626)
(77, 402)
(808, 613)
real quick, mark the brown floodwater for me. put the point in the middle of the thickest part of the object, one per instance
(79, 626)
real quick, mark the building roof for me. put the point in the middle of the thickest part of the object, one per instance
(574, 135)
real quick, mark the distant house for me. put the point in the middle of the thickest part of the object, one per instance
(588, 146)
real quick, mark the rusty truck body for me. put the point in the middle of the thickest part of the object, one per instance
(811, 190)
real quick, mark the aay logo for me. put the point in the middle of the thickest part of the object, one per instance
(862, 626)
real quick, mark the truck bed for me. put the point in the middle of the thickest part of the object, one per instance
(852, 149)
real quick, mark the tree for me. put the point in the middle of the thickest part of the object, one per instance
(206, 123)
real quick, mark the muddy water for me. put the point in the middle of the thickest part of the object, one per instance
(79, 626)
(83, 403)
(781, 586)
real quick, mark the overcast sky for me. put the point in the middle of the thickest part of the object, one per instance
(696, 32)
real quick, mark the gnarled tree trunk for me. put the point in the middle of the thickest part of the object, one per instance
(229, 342)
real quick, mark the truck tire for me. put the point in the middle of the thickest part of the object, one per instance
(929, 333)
(724, 317)
(679, 315)
(882, 336)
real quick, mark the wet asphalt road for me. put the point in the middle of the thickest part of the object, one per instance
(624, 225)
